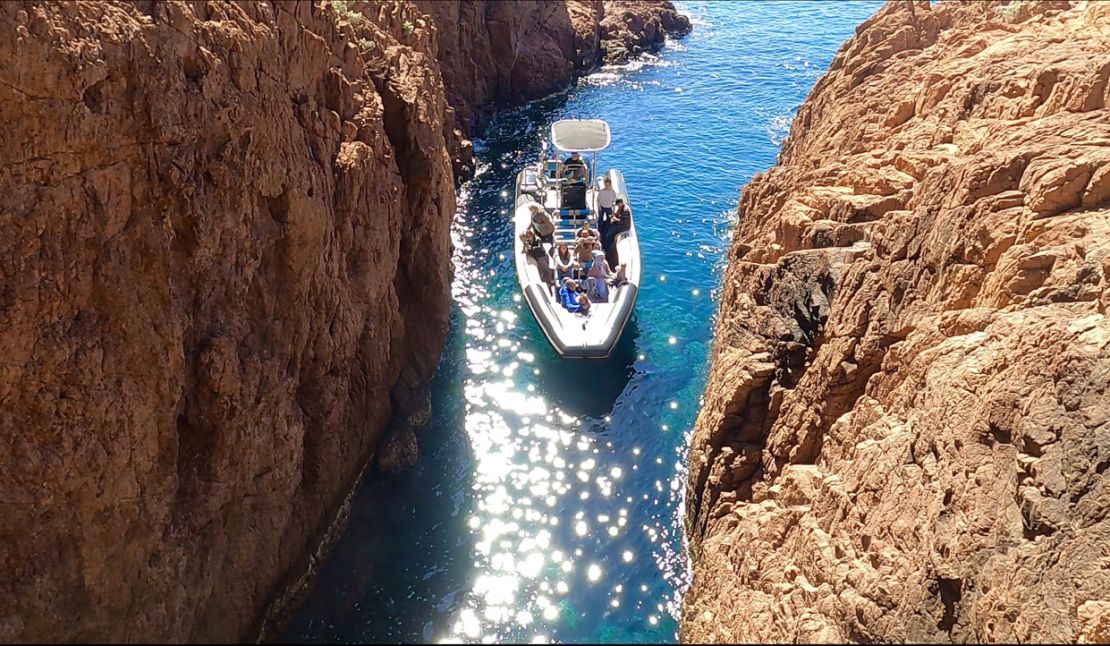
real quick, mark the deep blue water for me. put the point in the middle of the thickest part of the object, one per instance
(547, 501)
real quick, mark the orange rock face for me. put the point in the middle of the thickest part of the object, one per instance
(509, 53)
(224, 266)
(907, 424)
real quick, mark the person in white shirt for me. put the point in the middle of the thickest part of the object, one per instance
(605, 199)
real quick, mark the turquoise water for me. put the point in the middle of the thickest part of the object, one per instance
(547, 502)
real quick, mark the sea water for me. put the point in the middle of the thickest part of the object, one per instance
(547, 501)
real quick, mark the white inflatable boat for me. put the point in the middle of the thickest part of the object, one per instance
(570, 198)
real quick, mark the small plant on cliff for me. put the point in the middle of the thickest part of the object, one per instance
(365, 45)
(343, 7)
(408, 27)
(1017, 10)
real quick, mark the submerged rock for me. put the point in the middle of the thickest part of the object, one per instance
(907, 421)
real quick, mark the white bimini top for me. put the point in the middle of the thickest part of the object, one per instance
(580, 135)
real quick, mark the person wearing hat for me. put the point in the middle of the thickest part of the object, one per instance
(597, 280)
(542, 224)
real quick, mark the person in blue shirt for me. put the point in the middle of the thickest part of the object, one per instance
(571, 300)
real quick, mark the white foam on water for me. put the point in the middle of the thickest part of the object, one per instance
(779, 127)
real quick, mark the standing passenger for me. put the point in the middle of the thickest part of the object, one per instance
(542, 224)
(605, 199)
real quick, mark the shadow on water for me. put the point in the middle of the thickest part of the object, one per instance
(420, 514)
(589, 387)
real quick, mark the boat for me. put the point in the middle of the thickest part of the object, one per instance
(570, 200)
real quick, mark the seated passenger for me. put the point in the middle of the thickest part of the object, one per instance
(571, 300)
(564, 261)
(585, 231)
(598, 278)
(621, 277)
(542, 224)
(533, 248)
(584, 253)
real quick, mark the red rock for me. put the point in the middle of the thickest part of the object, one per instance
(224, 268)
(907, 422)
(509, 53)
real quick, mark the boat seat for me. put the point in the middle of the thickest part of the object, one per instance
(574, 197)
(574, 213)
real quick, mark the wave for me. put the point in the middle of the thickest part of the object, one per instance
(778, 127)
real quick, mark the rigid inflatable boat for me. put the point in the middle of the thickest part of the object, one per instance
(568, 192)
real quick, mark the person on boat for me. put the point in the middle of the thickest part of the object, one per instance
(606, 197)
(584, 253)
(574, 167)
(619, 222)
(621, 277)
(597, 280)
(542, 224)
(584, 303)
(533, 248)
(571, 300)
(564, 261)
(585, 231)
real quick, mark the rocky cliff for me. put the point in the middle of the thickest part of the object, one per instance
(906, 429)
(508, 53)
(224, 267)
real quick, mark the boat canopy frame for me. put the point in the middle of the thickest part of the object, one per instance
(581, 136)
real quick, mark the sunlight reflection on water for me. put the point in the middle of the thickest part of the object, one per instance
(533, 467)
